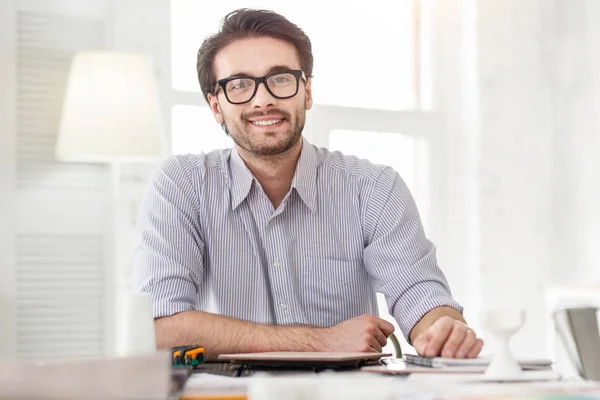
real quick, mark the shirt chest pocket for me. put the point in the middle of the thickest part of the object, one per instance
(333, 290)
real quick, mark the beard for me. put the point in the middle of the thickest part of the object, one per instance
(248, 140)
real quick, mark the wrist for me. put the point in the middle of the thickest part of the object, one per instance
(317, 339)
(431, 317)
(291, 338)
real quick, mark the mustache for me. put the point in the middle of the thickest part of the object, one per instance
(275, 111)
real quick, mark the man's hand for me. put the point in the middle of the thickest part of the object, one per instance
(366, 333)
(448, 337)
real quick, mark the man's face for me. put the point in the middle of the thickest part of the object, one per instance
(250, 125)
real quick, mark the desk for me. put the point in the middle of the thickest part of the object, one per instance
(359, 385)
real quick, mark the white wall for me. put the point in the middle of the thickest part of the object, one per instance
(522, 145)
(577, 146)
(515, 170)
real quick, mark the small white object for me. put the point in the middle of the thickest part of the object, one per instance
(502, 325)
(137, 336)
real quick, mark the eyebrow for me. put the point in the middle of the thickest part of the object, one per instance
(276, 68)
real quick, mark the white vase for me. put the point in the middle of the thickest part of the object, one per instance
(502, 325)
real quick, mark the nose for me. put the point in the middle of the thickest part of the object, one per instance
(263, 98)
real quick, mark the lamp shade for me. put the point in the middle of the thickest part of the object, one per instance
(111, 111)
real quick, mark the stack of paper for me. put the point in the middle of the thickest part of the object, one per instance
(482, 362)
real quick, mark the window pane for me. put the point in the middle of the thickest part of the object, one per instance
(194, 130)
(408, 155)
(364, 56)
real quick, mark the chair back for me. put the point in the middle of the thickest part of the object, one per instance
(578, 330)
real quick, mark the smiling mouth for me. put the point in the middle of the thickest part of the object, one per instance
(267, 122)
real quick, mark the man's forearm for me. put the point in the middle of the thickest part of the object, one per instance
(220, 335)
(432, 316)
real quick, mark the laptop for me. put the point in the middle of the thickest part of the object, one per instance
(302, 360)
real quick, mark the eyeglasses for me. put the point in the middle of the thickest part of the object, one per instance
(281, 85)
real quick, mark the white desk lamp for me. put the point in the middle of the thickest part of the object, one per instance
(111, 111)
(111, 115)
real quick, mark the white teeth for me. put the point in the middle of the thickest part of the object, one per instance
(266, 123)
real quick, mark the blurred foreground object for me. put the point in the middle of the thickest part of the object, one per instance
(142, 377)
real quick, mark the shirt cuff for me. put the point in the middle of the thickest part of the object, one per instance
(165, 306)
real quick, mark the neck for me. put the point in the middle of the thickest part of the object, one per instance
(275, 173)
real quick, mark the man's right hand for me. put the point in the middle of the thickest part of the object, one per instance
(366, 333)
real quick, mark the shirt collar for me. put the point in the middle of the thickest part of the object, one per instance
(304, 181)
(305, 177)
(241, 179)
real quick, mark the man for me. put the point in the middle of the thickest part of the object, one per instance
(285, 241)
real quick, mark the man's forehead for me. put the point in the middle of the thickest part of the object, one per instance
(255, 57)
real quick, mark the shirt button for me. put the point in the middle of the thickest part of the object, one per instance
(282, 305)
(276, 263)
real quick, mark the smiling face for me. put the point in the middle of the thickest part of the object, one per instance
(266, 125)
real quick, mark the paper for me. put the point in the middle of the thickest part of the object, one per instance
(201, 383)
(406, 369)
(482, 361)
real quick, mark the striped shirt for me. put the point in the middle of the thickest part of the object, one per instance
(211, 240)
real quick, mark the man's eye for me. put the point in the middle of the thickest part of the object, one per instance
(239, 85)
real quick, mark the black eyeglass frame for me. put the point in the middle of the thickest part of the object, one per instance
(296, 72)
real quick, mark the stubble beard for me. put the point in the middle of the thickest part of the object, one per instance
(242, 138)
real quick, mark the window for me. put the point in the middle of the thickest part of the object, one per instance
(363, 51)
(196, 130)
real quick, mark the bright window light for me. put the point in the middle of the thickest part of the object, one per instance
(363, 57)
(194, 130)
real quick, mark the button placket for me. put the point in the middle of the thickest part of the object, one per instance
(279, 274)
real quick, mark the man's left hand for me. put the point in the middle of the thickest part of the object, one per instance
(448, 337)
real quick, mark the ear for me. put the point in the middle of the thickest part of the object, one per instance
(213, 102)
(309, 99)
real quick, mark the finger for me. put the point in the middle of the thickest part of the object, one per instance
(439, 333)
(455, 340)
(476, 349)
(468, 343)
(420, 343)
(380, 337)
(385, 327)
(375, 345)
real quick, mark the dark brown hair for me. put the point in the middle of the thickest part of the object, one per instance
(247, 23)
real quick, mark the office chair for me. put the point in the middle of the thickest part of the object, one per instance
(578, 330)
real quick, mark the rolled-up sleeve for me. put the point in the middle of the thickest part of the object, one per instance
(399, 257)
(168, 259)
